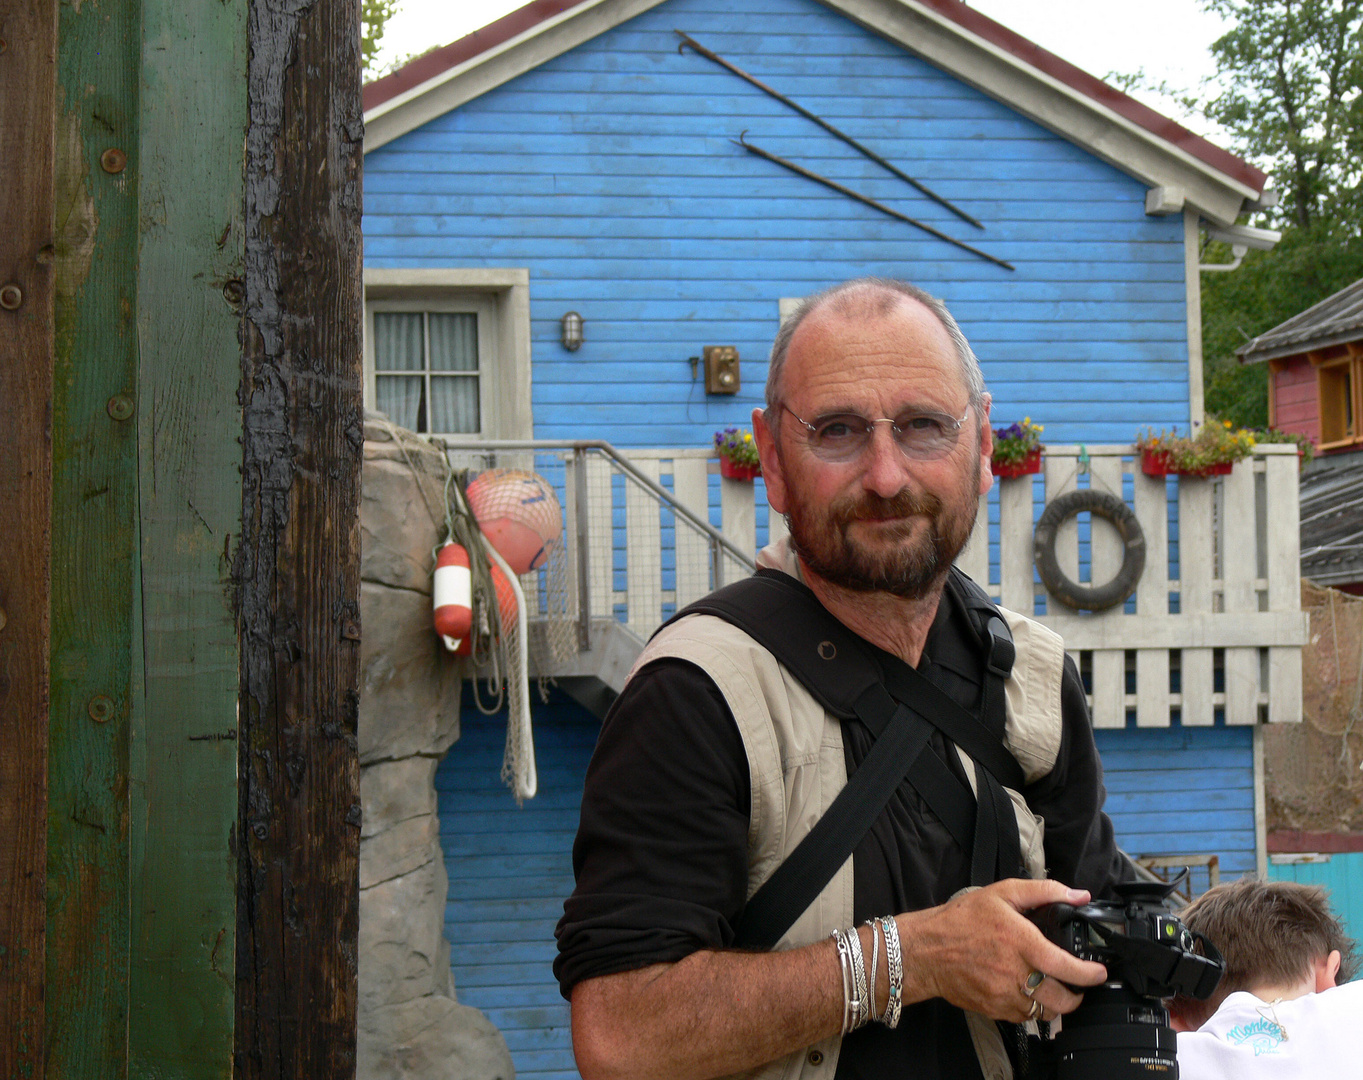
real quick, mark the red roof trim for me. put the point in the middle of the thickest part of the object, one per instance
(1295, 841)
(531, 15)
(438, 61)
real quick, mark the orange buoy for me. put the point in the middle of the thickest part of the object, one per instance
(452, 595)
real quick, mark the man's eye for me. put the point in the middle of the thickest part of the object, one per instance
(835, 430)
(924, 425)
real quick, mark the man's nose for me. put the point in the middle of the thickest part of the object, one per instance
(885, 469)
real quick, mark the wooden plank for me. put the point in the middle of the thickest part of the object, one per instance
(738, 523)
(690, 480)
(1152, 598)
(94, 502)
(27, 125)
(1061, 477)
(1239, 562)
(643, 550)
(1015, 547)
(297, 572)
(1206, 631)
(1109, 665)
(184, 765)
(601, 535)
(1195, 572)
(1284, 583)
(974, 557)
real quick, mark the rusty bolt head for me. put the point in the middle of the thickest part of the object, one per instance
(234, 291)
(113, 160)
(100, 709)
(11, 296)
(120, 406)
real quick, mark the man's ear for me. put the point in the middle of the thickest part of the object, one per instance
(1327, 971)
(986, 445)
(772, 474)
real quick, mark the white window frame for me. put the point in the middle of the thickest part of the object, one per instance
(501, 299)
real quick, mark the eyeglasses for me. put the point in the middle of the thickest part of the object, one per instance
(842, 437)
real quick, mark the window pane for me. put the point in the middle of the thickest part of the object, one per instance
(454, 341)
(1336, 403)
(454, 404)
(400, 397)
(397, 341)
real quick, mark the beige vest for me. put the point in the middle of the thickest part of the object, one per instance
(796, 768)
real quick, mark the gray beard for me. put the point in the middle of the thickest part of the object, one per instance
(910, 571)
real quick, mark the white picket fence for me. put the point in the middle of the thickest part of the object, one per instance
(1221, 633)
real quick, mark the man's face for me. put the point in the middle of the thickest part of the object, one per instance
(880, 522)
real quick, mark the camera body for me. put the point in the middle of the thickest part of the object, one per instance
(1121, 1030)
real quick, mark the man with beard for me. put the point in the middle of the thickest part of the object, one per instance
(716, 760)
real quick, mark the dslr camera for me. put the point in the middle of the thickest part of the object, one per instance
(1121, 1030)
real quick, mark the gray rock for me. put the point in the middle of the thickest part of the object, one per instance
(432, 1038)
(393, 791)
(402, 921)
(395, 852)
(398, 527)
(409, 683)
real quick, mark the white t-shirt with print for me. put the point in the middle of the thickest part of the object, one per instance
(1316, 1037)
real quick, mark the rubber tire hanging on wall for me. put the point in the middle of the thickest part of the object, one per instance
(1071, 593)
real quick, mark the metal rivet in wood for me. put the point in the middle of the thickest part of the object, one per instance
(11, 296)
(113, 160)
(100, 708)
(120, 406)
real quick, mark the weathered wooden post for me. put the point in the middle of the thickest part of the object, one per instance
(298, 565)
(28, 47)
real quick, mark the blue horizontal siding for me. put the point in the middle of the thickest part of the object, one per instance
(1342, 875)
(610, 173)
(1182, 791)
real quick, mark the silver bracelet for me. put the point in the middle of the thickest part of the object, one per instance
(894, 968)
(863, 1004)
(844, 967)
(875, 963)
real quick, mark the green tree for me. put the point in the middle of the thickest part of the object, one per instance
(1290, 77)
(374, 15)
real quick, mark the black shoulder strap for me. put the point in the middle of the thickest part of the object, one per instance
(843, 676)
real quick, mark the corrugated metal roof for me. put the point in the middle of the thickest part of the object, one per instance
(1332, 520)
(1336, 319)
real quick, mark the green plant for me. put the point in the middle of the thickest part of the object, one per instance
(737, 446)
(1305, 447)
(1217, 442)
(1013, 443)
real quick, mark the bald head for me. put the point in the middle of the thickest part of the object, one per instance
(872, 298)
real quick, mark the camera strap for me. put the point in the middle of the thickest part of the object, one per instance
(842, 673)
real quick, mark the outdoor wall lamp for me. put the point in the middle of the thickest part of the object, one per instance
(572, 331)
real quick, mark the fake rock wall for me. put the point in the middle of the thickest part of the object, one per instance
(410, 1025)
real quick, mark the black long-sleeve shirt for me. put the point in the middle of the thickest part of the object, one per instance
(661, 852)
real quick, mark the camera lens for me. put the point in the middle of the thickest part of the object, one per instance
(1116, 1035)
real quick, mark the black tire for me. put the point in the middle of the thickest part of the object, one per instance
(1071, 593)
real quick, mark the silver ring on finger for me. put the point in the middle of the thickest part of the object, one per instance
(1036, 1011)
(1034, 980)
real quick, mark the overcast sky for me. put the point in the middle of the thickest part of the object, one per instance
(1168, 39)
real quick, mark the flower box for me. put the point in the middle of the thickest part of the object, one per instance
(733, 471)
(1007, 470)
(1155, 463)
(1221, 468)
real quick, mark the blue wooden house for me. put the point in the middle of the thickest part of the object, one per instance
(583, 158)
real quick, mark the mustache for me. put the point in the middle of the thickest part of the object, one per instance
(869, 505)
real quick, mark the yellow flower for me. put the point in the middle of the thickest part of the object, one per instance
(747, 436)
(1225, 423)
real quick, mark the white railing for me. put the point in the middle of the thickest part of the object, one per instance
(1222, 633)
(1231, 618)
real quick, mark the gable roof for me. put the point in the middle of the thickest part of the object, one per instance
(1180, 166)
(1335, 320)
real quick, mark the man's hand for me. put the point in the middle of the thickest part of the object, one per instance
(978, 949)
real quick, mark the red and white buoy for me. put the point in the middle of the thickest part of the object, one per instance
(452, 595)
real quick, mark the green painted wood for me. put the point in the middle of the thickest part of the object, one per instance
(184, 750)
(94, 483)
